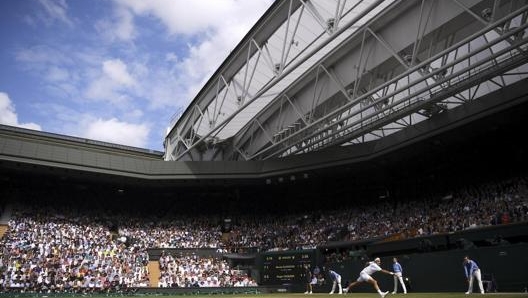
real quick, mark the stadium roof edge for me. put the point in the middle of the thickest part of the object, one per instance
(29, 149)
(91, 142)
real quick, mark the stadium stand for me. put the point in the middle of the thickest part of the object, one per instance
(54, 245)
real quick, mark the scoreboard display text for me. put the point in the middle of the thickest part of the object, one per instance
(286, 267)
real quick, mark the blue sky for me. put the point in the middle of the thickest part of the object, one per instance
(112, 70)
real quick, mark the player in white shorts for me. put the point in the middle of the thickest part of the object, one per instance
(365, 276)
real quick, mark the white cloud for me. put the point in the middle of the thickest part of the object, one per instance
(57, 10)
(120, 27)
(42, 55)
(129, 128)
(57, 74)
(112, 82)
(115, 131)
(61, 69)
(134, 114)
(116, 70)
(230, 18)
(182, 16)
(8, 115)
(171, 57)
(105, 90)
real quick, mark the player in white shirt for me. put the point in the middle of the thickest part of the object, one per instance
(365, 276)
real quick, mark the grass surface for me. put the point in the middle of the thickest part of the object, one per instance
(349, 295)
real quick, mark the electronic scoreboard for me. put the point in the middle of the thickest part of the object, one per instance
(286, 267)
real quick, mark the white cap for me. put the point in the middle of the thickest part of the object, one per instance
(377, 260)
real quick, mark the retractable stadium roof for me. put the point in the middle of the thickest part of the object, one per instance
(316, 74)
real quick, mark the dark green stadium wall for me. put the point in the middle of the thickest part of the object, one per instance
(443, 271)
